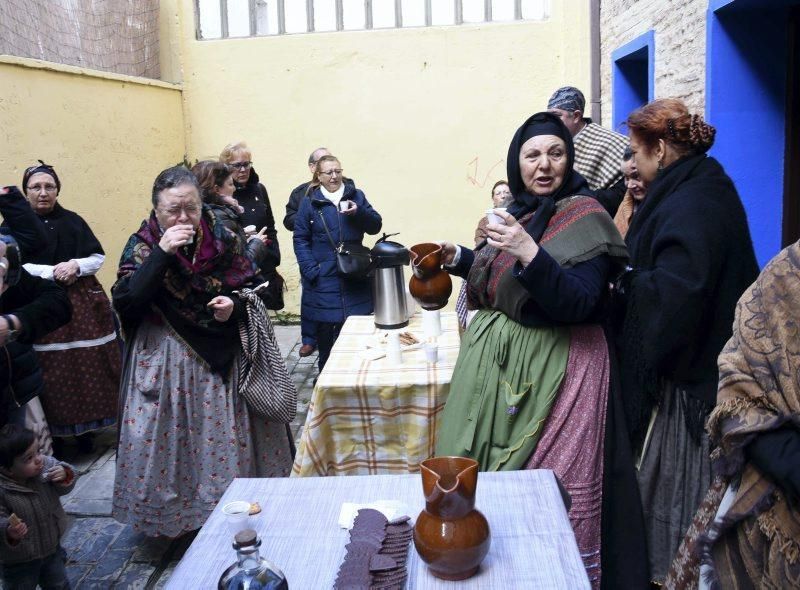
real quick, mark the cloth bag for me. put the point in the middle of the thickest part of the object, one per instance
(264, 382)
(352, 259)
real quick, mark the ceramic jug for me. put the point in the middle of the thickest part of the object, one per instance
(450, 535)
(430, 285)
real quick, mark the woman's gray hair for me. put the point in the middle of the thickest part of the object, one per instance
(172, 177)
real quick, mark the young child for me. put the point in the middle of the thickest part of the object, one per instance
(32, 520)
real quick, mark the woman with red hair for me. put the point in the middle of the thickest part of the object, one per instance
(691, 258)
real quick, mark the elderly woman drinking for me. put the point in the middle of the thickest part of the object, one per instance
(530, 388)
(185, 433)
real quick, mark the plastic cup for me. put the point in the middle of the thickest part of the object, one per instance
(344, 205)
(393, 351)
(493, 217)
(237, 515)
(431, 352)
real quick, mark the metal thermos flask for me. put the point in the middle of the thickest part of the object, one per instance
(388, 284)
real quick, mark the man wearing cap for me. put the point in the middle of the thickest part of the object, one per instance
(598, 151)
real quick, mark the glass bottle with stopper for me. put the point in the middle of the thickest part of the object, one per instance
(251, 571)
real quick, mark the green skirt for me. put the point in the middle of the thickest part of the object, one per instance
(504, 383)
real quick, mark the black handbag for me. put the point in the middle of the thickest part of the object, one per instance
(352, 259)
(272, 296)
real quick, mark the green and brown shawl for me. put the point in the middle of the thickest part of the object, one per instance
(579, 230)
(759, 391)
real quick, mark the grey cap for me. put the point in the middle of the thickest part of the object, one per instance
(567, 98)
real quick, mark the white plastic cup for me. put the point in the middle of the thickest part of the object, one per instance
(431, 352)
(393, 351)
(237, 515)
(493, 217)
(431, 323)
(344, 205)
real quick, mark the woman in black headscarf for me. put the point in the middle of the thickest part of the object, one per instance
(530, 388)
(81, 361)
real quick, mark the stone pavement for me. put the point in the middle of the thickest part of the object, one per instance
(103, 553)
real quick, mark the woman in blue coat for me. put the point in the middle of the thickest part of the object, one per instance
(330, 298)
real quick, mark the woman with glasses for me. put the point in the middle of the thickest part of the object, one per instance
(334, 212)
(185, 432)
(75, 402)
(253, 198)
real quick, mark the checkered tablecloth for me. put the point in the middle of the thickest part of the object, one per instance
(372, 416)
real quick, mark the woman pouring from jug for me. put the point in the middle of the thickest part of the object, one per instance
(524, 394)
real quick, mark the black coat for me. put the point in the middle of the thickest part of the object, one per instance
(41, 306)
(257, 211)
(692, 258)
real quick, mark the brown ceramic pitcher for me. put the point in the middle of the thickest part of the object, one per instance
(450, 535)
(430, 285)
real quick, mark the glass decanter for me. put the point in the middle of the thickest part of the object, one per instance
(251, 571)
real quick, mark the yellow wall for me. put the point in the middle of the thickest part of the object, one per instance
(420, 118)
(107, 135)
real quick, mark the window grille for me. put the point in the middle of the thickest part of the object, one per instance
(223, 19)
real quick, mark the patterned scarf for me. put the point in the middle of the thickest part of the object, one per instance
(625, 213)
(579, 230)
(759, 391)
(215, 265)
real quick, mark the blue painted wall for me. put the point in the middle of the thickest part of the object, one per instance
(745, 101)
(632, 77)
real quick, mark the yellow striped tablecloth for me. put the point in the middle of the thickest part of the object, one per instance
(371, 416)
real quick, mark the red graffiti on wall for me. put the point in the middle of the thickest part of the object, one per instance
(472, 172)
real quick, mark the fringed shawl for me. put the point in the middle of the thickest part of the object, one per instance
(759, 391)
(579, 230)
(216, 264)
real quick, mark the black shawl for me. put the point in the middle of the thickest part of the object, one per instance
(68, 237)
(692, 258)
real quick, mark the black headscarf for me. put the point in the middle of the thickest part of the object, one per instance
(543, 123)
(42, 167)
(68, 235)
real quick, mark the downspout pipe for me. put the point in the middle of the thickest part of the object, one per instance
(595, 49)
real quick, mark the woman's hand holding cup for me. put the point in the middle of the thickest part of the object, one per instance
(347, 207)
(175, 237)
(511, 237)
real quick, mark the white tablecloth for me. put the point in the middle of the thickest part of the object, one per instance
(532, 542)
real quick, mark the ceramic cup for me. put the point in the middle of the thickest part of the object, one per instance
(237, 515)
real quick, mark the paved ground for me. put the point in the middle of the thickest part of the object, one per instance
(103, 553)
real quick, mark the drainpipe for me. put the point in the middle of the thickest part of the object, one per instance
(594, 42)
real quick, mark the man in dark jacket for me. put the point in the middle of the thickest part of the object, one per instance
(29, 309)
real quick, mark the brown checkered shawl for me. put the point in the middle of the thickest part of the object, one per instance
(598, 155)
(757, 543)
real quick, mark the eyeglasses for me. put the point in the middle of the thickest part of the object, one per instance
(37, 188)
(337, 172)
(176, 211)
(240, 165)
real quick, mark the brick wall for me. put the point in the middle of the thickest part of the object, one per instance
(680, 46)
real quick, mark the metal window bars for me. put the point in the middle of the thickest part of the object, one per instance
(268, 17)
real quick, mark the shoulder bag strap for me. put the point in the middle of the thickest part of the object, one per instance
(325, 227)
